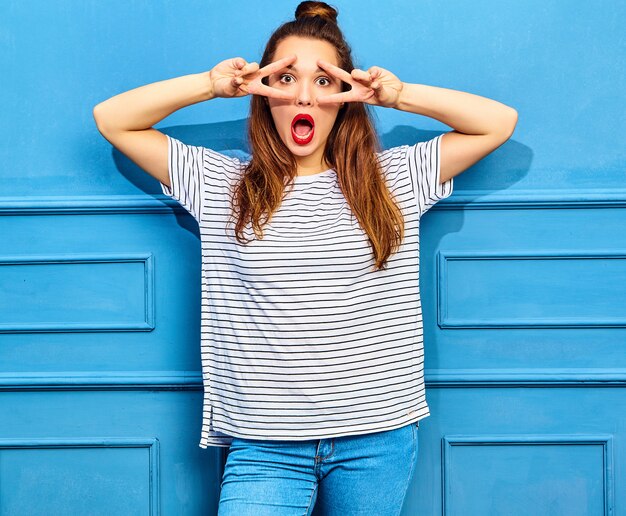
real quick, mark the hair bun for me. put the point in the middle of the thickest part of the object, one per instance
(311, 9)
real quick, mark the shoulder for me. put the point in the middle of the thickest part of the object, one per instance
(207, 158)
(393, 163)
(421, 155)
(392, 157)
(227, 156)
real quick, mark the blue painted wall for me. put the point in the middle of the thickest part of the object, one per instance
(523, 267)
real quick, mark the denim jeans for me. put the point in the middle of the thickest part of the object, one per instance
(366, 474)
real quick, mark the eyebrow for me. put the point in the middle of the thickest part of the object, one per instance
(292, 67)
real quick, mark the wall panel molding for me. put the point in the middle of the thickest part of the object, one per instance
(192, 380)
(525, 377)
(102, 380)
(466, 199)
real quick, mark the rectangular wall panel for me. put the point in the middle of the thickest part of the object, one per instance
(517, 289)
(76, 293)
(526, 474)
(44, 476)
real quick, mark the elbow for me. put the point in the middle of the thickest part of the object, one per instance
(99, 118)
(512, 122)
(96, 115)
(506, 127)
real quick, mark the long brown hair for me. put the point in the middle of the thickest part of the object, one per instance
(350, 150)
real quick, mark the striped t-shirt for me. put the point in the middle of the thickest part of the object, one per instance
(301, 338)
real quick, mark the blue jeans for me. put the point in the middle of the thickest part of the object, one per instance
(366, 474)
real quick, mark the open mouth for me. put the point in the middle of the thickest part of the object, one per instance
(302, 128)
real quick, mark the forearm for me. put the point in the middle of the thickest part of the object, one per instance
(465, 112)
(143, 107)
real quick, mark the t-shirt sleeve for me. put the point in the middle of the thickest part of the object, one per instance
(186, 166)
(423, 163)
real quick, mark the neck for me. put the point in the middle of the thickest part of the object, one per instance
(313, 164)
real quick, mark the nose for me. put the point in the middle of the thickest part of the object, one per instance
(304, 96)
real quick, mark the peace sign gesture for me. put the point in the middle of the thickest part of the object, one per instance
(236, 78)
(377, 86)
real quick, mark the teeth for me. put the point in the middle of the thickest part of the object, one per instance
(303, 136)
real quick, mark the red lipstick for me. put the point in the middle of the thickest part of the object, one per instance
(303, 138)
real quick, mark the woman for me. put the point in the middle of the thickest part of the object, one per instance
(312, 353)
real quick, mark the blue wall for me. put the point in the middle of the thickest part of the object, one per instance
(523, 267)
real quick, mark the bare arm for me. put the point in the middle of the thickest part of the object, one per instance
(126, 119)
(481, 124)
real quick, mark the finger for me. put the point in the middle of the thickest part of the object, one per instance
(248, 69)
(335, 98)
(369, 95)
(277, 65)
(334, 70)
(375, 72)
(275, 93)
(238, 62)
(361, 75)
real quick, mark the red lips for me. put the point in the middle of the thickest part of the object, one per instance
(300, 140)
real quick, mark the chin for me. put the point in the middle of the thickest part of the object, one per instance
(301, 150)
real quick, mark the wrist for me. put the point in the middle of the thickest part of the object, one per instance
(206, 86)
(400, 99)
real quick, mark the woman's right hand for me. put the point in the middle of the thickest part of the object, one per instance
(236, 78)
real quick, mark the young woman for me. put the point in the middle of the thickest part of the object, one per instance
(312, 349)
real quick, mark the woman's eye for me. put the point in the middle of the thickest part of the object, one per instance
(327, 81)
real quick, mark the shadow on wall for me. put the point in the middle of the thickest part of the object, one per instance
(501, 169)
(504, 167)
(229, 138)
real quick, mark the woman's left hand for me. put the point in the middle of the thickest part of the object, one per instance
(377, 86)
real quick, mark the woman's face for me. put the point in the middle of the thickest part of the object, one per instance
(306, 81)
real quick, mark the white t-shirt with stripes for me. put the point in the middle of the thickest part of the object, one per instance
(301, 338)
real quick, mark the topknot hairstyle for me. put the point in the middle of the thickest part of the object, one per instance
(321, 9)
